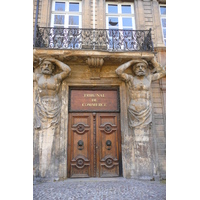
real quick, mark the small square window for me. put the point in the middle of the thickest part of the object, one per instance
(162, 10)
(74, 7)
(112, 8)
(59, 19)
(127, 22)
(164, 32)
(113, 22)
(126, 9)
(73, 20)
(59, 6)
(164, 22)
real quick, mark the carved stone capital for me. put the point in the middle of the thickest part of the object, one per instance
(95, 64)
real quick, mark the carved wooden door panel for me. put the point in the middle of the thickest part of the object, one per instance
(94, 145)
(80, 145)
(108, 145)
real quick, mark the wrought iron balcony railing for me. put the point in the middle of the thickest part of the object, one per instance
(93, 39)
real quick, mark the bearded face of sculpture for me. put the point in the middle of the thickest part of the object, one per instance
(47, 68)
(139, 69)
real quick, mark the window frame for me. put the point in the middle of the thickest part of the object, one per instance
(163, 17)
(66, 13)
(121, 15)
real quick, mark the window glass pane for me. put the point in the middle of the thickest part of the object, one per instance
(58, 19)
(163, 10)
(127, 22)
(73, 6)
(112, 8)
(164, 32)
(164, 22)
(59, 6)
(113, 21)
(73, 20)
(126, 9)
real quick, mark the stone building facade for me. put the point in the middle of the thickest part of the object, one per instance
(82, 101)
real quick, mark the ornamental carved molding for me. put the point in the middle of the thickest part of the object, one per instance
(80, 128)
(95, 64)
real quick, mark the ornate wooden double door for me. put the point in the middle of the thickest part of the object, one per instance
(94, 145)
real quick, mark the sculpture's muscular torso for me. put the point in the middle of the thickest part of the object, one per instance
(48, 103)
(139, 109)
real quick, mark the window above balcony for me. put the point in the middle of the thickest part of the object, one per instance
(163, 21)
(66, 14)
(120, 16)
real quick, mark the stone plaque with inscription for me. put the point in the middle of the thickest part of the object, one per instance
(86, 100)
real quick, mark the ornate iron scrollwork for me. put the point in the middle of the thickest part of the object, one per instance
(104, 39)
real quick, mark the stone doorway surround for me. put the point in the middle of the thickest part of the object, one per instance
(81, 75)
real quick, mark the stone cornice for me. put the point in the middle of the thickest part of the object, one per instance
(85, 54)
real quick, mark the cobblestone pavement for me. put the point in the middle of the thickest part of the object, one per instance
(100, 189)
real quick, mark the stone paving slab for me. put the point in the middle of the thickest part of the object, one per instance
(100, 189)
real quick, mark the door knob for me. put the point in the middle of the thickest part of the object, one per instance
(80, 144)
(108, 145)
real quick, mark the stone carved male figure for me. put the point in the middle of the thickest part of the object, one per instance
(140, 108)
(48, 103)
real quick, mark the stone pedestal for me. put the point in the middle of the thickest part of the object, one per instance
(46, 138)
(143, 154)
(46, 154)
(137, 150)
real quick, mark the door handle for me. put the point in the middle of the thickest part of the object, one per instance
(80, 144)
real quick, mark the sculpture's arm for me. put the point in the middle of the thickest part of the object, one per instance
(120, 70)
(65, 68)
(160, 70)
(36, 62)
(34, 76)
